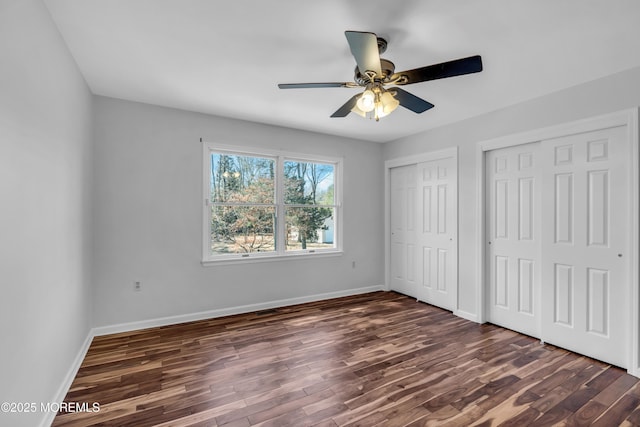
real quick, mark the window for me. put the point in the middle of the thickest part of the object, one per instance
(261, 204)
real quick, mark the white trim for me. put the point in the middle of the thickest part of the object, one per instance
(279, 157)
(210, 314)
(627, 118)
(480, 235)
(301, 254)
(634, 341)
(62, 391)
(411, 160)
(622, 118)
(387, 225)
(206, 201)
(421, 157)
(266, 152)
(466, 315)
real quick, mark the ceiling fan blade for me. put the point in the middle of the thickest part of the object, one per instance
(364, 48)
(410, 101)
(457, 67)
(315, 85)
(346, 108)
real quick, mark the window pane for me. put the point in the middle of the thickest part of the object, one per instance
(308, 183)
(310, 228)
(242, 229)
(242, 179)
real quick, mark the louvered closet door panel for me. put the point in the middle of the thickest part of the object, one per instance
(513, 238)
(585, 243)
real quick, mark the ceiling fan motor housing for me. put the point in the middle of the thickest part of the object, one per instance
(387, 67)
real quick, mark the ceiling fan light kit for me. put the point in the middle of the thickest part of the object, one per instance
(375, 103)
(373, 73)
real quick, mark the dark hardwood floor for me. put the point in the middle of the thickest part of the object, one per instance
(379, 359)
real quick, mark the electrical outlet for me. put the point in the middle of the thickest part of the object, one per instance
(137, 286)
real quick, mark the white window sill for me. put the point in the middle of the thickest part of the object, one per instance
(270, 258)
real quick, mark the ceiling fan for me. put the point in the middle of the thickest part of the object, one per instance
(374, 73)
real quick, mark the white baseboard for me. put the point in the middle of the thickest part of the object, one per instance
(466, 315)
(182, 318)
(62, 391)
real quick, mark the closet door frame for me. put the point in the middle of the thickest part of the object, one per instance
(628, 118)
(405, 161)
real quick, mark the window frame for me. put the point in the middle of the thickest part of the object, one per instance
(280, 234)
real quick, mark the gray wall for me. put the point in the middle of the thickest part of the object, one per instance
(45, 180)
(148, 215)
(610, 94)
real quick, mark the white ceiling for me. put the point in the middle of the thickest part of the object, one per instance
(226, 57)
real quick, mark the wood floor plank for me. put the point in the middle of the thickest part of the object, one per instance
(619, 412)
(377, 359)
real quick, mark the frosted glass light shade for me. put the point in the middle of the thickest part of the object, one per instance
(366, 102)
(389, 103)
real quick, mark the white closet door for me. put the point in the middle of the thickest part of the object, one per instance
(586, 244)
(513, 234)
(437, 232)
(403, 230)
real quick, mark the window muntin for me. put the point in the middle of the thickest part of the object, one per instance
(261, 205)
